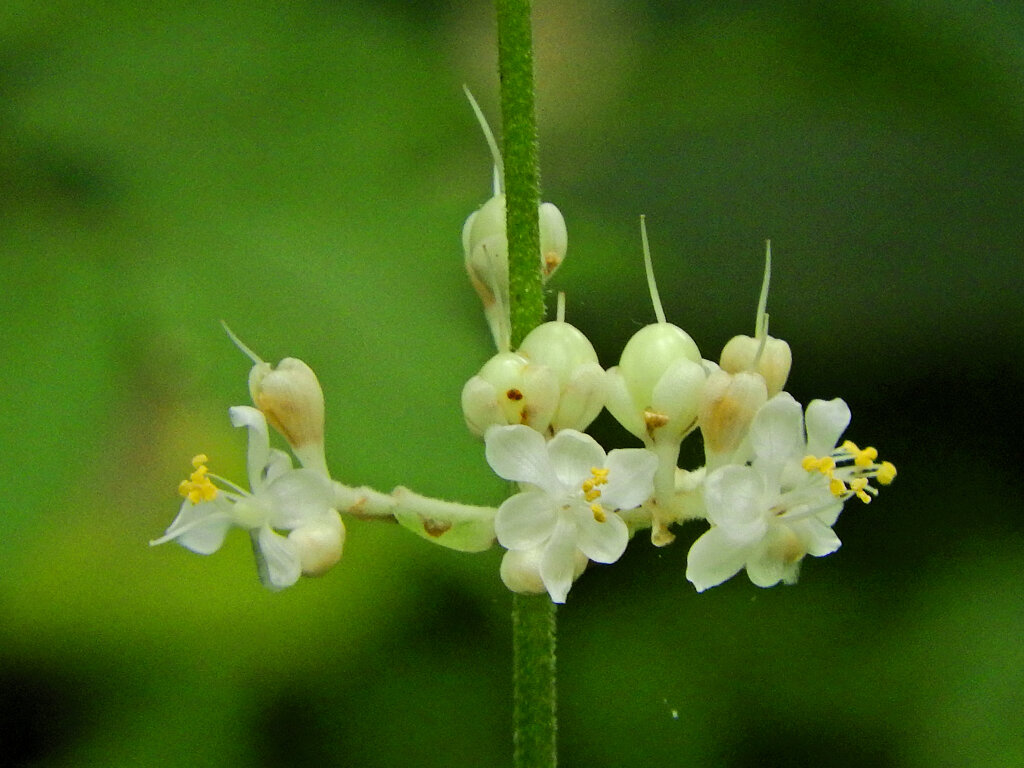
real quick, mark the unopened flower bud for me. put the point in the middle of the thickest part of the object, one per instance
(290, 398)
(520, 570)
(554, 238)
(564, 350)
(509, 389)
(319, 544)
(485, 246)
(655, 390)
(741, 353)
(486, 252)
(761, 353)
(727, 407)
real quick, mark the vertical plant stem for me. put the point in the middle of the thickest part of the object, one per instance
(522, 177)
(533, 616)
(533, 651)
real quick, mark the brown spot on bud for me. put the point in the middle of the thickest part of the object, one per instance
(653, 420)
(436, 528)
(514, 394)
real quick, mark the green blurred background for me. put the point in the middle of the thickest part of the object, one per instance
(302, 170)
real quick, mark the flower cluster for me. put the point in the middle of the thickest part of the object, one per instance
(774, 480)
(773, 484)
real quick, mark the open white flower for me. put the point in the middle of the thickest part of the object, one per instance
(280, 499)
(768, 514)
(570, 502)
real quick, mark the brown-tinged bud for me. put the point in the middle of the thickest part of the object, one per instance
(290, 398)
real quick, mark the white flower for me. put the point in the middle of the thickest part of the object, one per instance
(768, 514)
(571, 506)
(280, 499)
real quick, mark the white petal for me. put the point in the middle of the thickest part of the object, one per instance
(766, 567)
(712, 559)
(259, 440)
(278, 462)
(777, 432)
(826, 421)
(276, 559)
(601, 542)
(829, 515)
(734, 499)
(199, 527)
(298, 497)
(816, 537)
(630, 478)
(557, 565)
(207, 537)
(526, 520)
(518, 453)
(573, 454)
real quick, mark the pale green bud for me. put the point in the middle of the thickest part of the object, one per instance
(554, 238)
(564, 350)
(485, 245)
(655, 390)
(510, 390)
(773, 361)
(486, 252)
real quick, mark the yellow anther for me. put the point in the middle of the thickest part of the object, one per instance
(836, 486)
(886, 472)
(850, 447)
(598, 512)
(866, 457)
(198, 487)
(859, 485)
(598, 477)
(825, 464)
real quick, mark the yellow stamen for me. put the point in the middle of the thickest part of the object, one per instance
(886, 472)
(198, 487)
(859, 485)
(825, 464)
(598, 511)
(866, 457)
(836, 486)
(590, 492)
